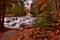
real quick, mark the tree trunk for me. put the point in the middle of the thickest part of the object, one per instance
(3, 7)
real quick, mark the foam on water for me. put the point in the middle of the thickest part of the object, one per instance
(25, 20)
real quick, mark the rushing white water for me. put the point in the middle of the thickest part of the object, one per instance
(27, 3)
(17, 22)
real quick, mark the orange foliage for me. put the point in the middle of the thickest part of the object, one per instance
(39, 2)
(43, 6)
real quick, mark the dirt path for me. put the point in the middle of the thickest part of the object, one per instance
(30, 34)
(8, 34)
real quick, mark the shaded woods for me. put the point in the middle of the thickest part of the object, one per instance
(46, 27)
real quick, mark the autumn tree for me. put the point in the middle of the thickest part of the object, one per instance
(45, 15)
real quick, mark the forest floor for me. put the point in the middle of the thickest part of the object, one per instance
(30, 34)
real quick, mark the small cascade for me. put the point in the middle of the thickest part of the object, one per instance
(27, 5)
(18, 22)
(24, 21)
